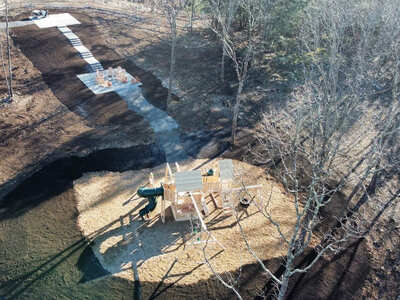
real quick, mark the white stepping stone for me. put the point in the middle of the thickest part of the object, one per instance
(163, 125)
(82, 49)
(91, 60)
(71, 36)
(64, 29)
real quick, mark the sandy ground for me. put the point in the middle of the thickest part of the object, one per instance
(108, 216)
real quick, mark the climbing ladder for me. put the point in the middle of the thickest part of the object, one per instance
(200, 232)
(227, 198)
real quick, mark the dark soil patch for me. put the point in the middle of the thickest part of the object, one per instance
(152, 89)
(57, 177)
(59, 64)
(340, 277)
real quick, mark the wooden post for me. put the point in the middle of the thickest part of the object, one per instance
(162, 213)
(151, 179)
(168, 173)
(203, 225)
(204, 204)
(121, 221)
(214, 200)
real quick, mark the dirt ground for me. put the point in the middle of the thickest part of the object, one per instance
(54, 116)
(47, 113)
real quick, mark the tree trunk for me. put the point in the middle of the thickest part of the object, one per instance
(172, 63)
(191, 16)
(283, 287)
(394, 197)
(3, 64)
(236, 111)
(223, 64)
(10, 90)
(371, 189)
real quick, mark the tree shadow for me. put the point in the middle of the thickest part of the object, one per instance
(19, 285)
(336, 278)
(131, 245)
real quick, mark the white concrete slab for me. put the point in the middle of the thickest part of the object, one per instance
(56, 20)
(16, 24)
(159, 120)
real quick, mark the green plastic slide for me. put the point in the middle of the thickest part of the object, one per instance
(151, 194)
(147, 192)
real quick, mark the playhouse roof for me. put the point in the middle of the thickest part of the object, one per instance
(226, 169)
(188, 181)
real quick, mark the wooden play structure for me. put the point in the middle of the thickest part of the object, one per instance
(187, 191)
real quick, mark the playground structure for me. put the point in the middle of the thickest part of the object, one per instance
(187, 191)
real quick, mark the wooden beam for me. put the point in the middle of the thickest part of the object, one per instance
(168, 173)
(204, 204)
(162, 213)
(214, 200)
(247, 187)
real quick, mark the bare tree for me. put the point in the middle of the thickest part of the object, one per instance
(323, 131)
(340, 129)
(223, 14)
(9, 76)
(240, 46)
(172, 9)
(193, 4)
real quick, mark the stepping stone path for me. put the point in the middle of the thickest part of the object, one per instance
(164, 126)
(82, 50)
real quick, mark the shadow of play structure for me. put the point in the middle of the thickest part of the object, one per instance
(186, 191)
